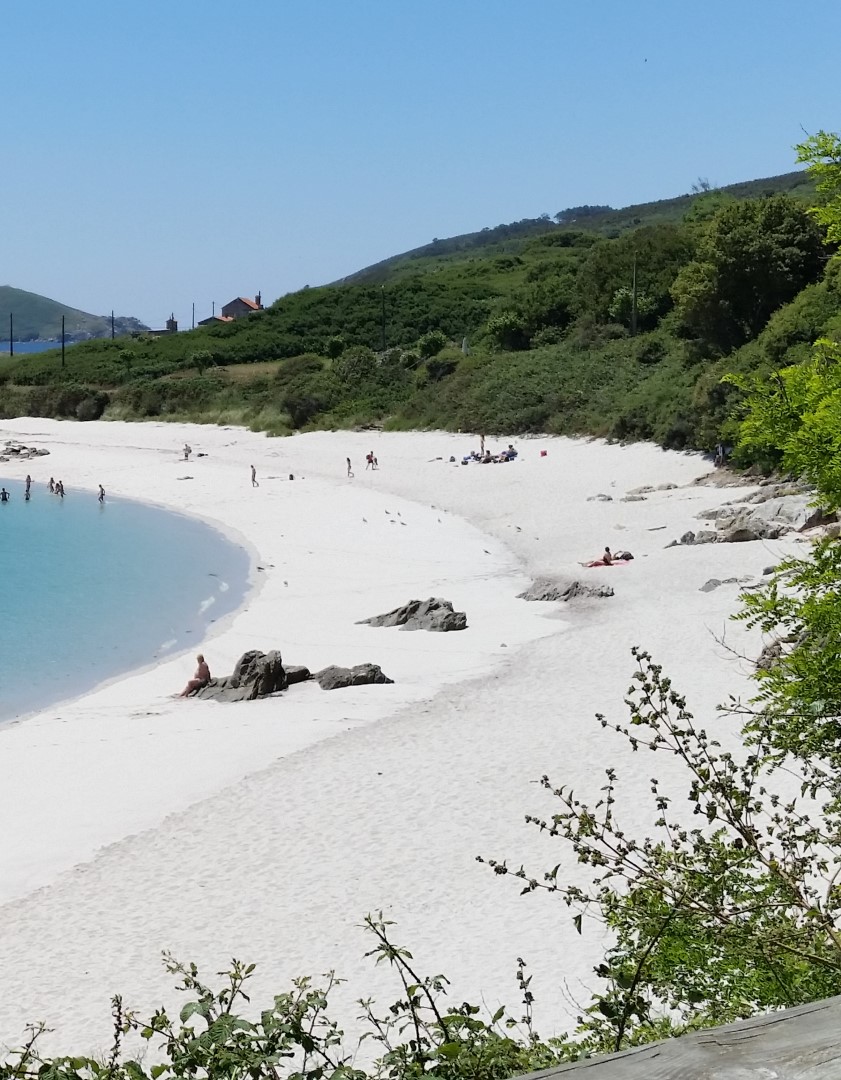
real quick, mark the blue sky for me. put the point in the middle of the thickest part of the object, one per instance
(159, 154)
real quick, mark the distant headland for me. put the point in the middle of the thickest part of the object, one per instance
(38, 318)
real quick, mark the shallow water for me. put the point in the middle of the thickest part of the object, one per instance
(90, 591)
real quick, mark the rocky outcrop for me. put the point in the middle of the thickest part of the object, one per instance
(14, 451)
(256, 675)
(600, 498)
(770, 656)
(547, 589)
(433, 614)
(689, 538)
(336, 678)
(767, 520)
(724, 478)
(715, 583)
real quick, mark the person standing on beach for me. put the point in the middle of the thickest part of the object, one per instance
(187, 451)
(28, 484)
(52, 486)
(101, 493)
(349, 469)
(254, 477)
(200, 679)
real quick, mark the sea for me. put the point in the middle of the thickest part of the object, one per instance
(32, 346)
(90, 591)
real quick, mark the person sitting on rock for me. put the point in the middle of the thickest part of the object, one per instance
(200, 679)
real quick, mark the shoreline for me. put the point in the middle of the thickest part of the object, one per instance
(212, 629)
(279, 841)
(138, 695)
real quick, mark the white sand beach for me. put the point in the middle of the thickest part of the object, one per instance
(265, 830)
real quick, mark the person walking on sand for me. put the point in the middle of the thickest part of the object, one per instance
(254, 477)
(349, 469)
(101, 493)
(200, 679)
(187, 451)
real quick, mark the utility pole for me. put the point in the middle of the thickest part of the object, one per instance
(194, 316)
(213, 313)
(112, 324)
(634, 300)
(62, 341)
(11, 334)
(382, 296)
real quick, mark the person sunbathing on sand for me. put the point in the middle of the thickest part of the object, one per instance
(200, 679)
(605, 560)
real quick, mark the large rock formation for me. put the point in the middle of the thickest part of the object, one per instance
(768, 519)
(772, 518)
(547, 589)
(431, 614)
(256, 675)
(336, 678)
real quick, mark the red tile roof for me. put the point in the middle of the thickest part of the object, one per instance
(251, 303)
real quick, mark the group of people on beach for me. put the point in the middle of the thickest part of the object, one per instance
(56, 487)
(370, 463)
(485, 457)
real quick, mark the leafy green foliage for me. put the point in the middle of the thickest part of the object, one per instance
(419, 1035)
(431, 344)
(822, 153)
(712, 921)
(752, 258)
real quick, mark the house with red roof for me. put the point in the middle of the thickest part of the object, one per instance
(235, 309)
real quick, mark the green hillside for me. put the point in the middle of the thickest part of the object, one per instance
(533, 326)
(37, 318)
(602, 220)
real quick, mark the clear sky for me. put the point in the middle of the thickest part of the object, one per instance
(159, 153)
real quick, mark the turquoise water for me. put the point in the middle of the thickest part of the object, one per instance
(89, 591)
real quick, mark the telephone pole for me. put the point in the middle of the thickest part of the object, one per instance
(382, 296)
(62, 341)
(112, 324)
(634, 300)
(11, 334)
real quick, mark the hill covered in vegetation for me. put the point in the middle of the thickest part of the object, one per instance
(37, 318)
(618, 323)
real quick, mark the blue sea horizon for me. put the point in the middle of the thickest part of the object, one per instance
(89, 592)
(32, 346)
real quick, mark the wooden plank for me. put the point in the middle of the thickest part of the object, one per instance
(795, 1044)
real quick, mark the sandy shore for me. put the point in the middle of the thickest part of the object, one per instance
(266, 830)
